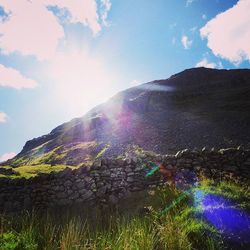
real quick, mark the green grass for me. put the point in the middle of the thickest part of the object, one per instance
(136, 223)
(58, 155)
(45, 158)
(19, 161)
(31, 171)
(102, 152)
(5, 166)
(28, 171)
(238, 192)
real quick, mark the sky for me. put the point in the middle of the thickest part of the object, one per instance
(60, 58)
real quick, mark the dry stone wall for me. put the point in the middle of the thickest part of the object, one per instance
(109, 180)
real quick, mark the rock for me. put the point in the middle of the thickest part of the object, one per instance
(128, 170)
(97, 164)
(130, 179)
(80, 185)
(74, 196)
(64, 202)
(61, 195)
(120, 162)
(231, 168)
(113, 199)
(87, 195)
(68, 183)
(8, 171)
(134, 160)
(65, 172)
(101, 191)
(27, 203)
(128, 161)
(7, 206)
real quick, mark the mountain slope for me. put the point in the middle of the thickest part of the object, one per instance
(195, 108)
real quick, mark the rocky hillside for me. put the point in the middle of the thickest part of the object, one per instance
(195, 108)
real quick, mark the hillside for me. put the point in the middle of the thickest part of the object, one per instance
(195, 108)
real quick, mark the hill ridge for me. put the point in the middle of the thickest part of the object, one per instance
(194, 108)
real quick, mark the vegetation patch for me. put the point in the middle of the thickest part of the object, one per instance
(102, 152)
(28, 171)
(135, 223)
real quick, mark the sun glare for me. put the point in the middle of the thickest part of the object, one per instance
(81, 81)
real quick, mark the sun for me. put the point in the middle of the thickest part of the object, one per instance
(80, 81)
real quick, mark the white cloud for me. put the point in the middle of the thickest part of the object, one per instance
(189, 2)
(204, 63)
(7, 156)
(81, 11)
(220, 65)
(186, 42)
(204, 17)
(30, 29)
(12, 78)
(134, 83)
(38, 30)
(228, 34)
(3, 117)
(106, 6)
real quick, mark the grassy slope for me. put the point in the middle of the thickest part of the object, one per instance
(73, 154)
(45, 163)
(55, 160)
(28, 171)
(127, 226)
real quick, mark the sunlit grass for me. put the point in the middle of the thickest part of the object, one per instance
(121, 228)
(121, 233)
(237, 192)
(102, 152)
(28, 171)
(86, 153)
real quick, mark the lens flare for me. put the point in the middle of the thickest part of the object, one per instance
(176, 201)
(152, 171)
(232, 222)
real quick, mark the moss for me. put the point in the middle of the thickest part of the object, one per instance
(6, 166)
(28, 171)
(48, 158)
(19, 161)
(81, 153)
(102, 152)
(85, 145)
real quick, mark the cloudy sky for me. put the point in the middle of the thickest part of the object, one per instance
(59, 58)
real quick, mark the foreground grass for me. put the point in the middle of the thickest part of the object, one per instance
(239, 193)
(138, 223)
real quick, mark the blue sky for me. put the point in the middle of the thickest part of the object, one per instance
(78, 54)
